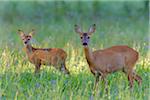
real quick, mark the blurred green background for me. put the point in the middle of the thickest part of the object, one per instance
(117, 23)
(57, 18)
(45, 12)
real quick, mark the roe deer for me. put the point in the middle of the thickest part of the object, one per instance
(115, 58)
(40, 56)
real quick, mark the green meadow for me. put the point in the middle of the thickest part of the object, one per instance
(54, 29)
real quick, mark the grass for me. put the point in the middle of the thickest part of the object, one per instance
(17, 79)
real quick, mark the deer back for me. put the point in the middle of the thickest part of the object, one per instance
(114, 58)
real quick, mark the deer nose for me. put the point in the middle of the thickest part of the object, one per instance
(25, 42)
(84, 43)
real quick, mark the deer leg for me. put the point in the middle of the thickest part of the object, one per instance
(37, 63)
(105, 83)
(130, 79)
(64, 69)
(96, 81)
(138, 78)
(37, 68)
(129, 72)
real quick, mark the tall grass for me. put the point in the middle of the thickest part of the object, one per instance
(118, 23)
(17, 79)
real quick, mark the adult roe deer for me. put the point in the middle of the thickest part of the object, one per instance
(40, 56)
(103, 62)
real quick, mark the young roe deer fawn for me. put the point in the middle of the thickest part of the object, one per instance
(40, 56)
(103, 62)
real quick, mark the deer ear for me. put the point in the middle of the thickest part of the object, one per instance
(21, 33)
(32, 32)
(92, 29)
(77, 29)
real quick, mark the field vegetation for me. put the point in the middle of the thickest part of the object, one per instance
(125, 24)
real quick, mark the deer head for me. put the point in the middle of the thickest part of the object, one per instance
(85, 36)
(26, 38)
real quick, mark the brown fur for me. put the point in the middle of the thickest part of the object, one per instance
(40, 56)
(103, 62)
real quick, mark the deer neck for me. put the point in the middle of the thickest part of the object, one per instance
(89, 55)
(29, 49)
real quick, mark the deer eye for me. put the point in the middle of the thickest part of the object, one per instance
(81, 37)
(88, 37)
(28, 39)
